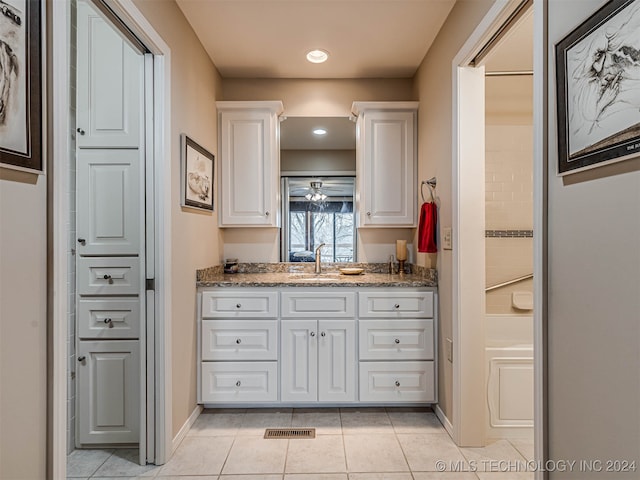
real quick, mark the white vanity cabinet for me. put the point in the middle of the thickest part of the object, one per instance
(316, 346)
(249, 153)
(386, 163)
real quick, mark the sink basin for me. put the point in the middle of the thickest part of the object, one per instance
(315, 277)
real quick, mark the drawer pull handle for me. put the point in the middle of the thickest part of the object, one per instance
(323, 334)
(82, 358)
(397, 383)
(108, 321)
(238, 341)
(396, 306)
(313, 334)
(238, 305)
(108, 277)
(238, 383)
(397, 340)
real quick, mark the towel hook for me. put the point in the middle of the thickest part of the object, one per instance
(431, 183)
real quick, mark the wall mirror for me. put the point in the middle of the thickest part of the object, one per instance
(318, 187)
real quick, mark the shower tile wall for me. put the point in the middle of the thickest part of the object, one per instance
(71, 278)
(509, 206)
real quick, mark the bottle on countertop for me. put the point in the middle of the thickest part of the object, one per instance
(231, 265)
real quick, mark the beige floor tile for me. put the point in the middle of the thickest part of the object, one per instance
(254, 455)
(495, 457)
(506, 476)
(374, 453)
(125, 463)
(444, 476)
(255, 422)
(251, 477)
(189, 477)
(365, 421)
(424, 450)
(326, 421)
(217, 424)
(524, 447)
(316, 476)
(380, 476)
(198, 456)
(323, 454)
(415, 422)
(84, 462)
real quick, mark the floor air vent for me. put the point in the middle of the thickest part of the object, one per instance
(290, 433)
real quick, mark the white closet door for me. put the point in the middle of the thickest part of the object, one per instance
(109, 380)
(109, 89)
(109, 202)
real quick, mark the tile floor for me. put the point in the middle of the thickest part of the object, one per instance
(350, 444)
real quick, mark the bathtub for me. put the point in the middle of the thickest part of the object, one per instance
(509, 376)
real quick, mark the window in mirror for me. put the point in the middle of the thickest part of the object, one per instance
(318, 210)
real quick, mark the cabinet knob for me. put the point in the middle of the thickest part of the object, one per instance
(397, 340)
(266, 214)
(313, 334)
(396, 306)
(397, 383)
(238, 305)
(82, 358)
(238, 383)
(80, 131)
(82, 241)
(238, 341)
(108, 277)
(368, 214)
(323, 334)
(108, 321)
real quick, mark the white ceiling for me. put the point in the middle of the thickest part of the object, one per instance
(270, 38)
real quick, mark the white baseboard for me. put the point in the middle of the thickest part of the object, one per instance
(444, 420)
(185, 428)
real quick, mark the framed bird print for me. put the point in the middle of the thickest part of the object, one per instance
(197, 175)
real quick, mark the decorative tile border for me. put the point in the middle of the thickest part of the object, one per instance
(508, 234)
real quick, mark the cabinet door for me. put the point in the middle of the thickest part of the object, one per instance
(109, 86)
(299, 361)
(108, 392)
(387, 169)
(109, 202)
(337, 361)
(249, 168)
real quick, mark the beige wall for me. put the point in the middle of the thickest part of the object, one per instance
(311, 98)
(318, 161)
(593, 296)
(195, 241)
(432, 85)
(23, 329)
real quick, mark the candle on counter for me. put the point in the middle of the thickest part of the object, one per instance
(401, 250)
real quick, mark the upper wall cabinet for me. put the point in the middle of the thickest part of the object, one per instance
(109, 86)
(249, 151)
(386, 163)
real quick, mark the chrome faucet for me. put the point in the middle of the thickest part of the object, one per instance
(318, 268)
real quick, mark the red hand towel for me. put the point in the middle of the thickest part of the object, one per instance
(427, 228)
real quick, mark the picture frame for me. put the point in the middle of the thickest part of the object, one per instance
(598, 89)
(198, 173)
(21, 94)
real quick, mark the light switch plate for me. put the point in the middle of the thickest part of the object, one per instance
(447, 241)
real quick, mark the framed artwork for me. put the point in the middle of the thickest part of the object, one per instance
(598, 88)
(197, 175)
(21, 85)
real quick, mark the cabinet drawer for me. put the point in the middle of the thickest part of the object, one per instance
(304, 304)
(240, 340)
(397, 382)
(108, 275)
(109, 318)
(396, 304)
(240, 304)
(396, 339)
(239, 382)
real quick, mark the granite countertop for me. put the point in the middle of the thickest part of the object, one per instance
(301, 275)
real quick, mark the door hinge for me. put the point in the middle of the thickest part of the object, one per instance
(151, 284)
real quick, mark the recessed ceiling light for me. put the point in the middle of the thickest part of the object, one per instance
(319, 131)
(317, 56)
